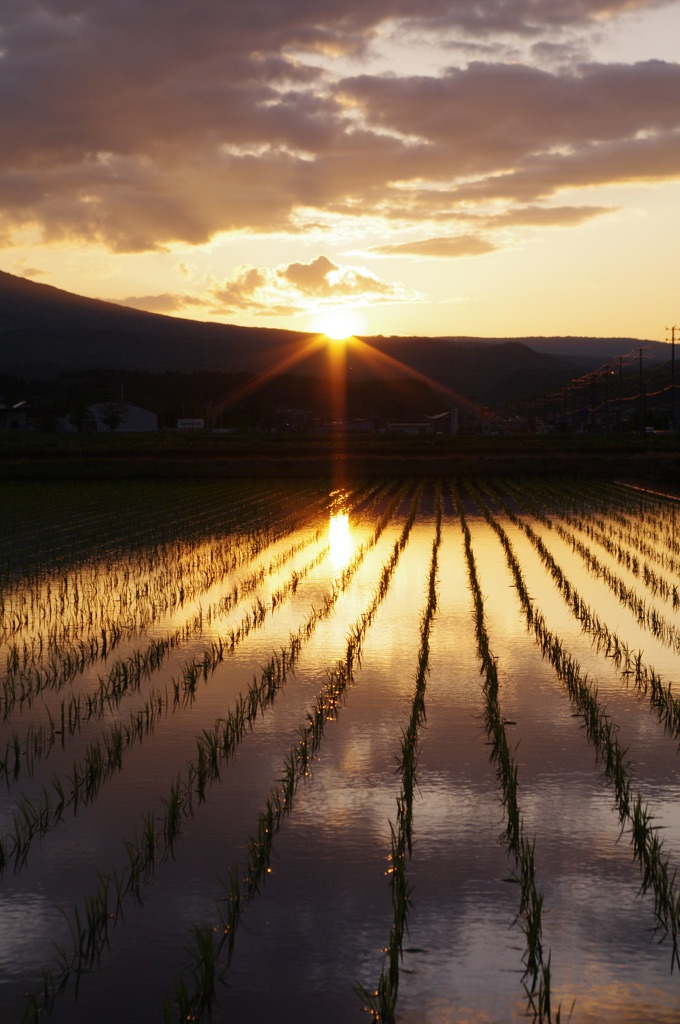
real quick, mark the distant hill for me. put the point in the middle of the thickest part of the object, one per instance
(599, 349)
(45, 331)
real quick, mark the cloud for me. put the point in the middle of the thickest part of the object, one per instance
(548, 216)
(166, 302)
(301, 288)
(651, 159)
(138, 131)
(237, 292)
(312, 278)
(324, 279)
(481, 117)
(447, 247)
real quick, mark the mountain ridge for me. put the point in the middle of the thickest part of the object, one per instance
(46, 331)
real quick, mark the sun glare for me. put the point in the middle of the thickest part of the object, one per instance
(338, 324)
(339, 539)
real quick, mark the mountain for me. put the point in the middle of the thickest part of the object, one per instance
(599, 349)
(45, 331)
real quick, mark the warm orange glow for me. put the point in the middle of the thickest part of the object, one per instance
(338, 323)
(381, 361)
(296, 355)
(339, 539)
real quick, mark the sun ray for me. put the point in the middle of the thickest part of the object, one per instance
(338, 323)
(314, 344)
(337, 354)
(380, 360)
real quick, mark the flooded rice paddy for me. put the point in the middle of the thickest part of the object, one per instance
(401, 752)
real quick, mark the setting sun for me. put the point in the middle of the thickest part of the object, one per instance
(338, 324)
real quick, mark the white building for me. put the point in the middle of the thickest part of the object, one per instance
(116, 417)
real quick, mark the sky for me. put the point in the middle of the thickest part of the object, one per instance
(493, 168)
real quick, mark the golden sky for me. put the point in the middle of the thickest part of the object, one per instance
(442, 167)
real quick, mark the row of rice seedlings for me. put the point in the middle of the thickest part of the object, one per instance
(658, 515)
(652, 579)
(650, 534)
(620, 548)
(104, 605)
(61, 593)
(165, 576)
(629, 665)
(601, 732)
(537, 971)
(381, 1002)
(104, 756)
(40, 739)
(127, 673)
(158, 834)
(210, 943)
(646, 615)
(22, 684)
(46, 534)
(67, 646)
(214, 746)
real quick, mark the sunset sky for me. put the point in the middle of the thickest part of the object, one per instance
(442, 167)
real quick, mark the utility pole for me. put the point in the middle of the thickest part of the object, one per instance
(642, 398)
(672, 329)
(619, 418)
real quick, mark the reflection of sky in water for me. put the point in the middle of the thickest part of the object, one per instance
(26, 921)
(320, 922)
(340, 540)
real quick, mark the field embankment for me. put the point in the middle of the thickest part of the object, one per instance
(655, 460)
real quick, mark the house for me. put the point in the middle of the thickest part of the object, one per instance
(441, 423)
(412, 428)
(113, 417)
(14, 416)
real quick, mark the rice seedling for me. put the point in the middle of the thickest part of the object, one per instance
(279, 804)
(602, 733)
(157, 840)
(53, 660)
(645, 615)
(54, 626)
(87, 779)
(629, 666)
(381, 1002)
(519, 846)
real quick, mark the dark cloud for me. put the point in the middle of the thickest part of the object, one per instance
(636, 160)
(137, 125)
(487, 113)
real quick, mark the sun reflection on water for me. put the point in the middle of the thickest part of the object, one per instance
(339, 539)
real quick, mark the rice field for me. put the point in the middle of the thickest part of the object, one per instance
(400, 752)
